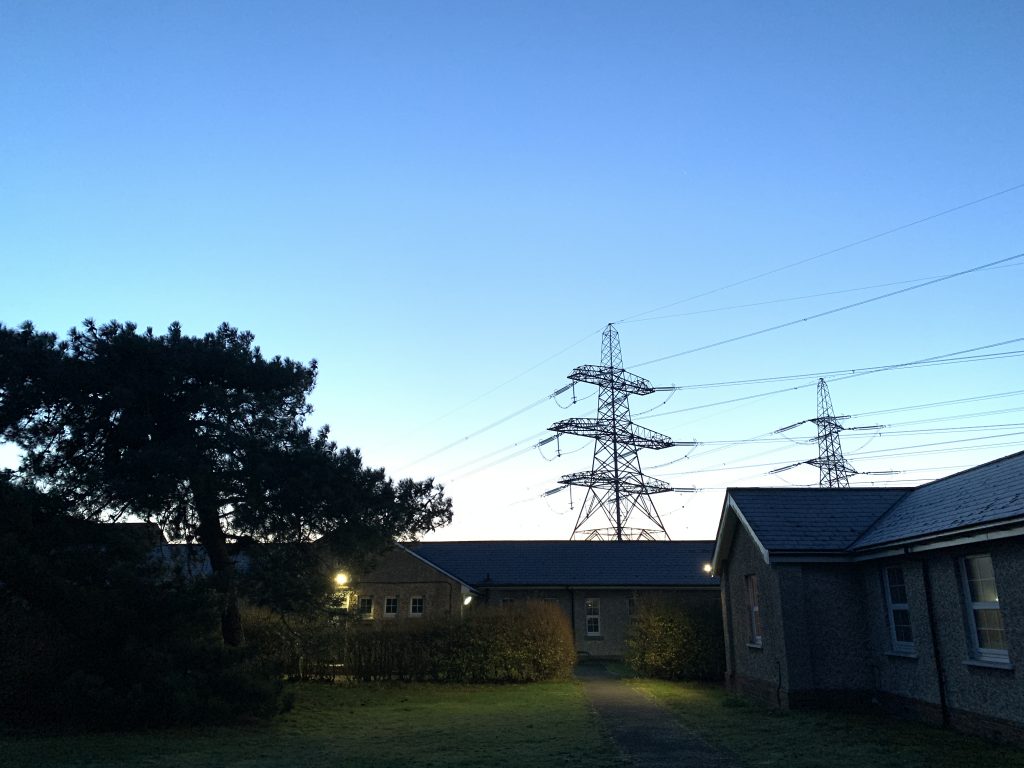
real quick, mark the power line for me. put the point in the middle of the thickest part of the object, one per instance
(831, 252)
(833, 311)
(790, 299)
(935, 360)
(958, 401)
(861, 371)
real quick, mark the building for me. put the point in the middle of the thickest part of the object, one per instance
(910, 599)
(596, 583)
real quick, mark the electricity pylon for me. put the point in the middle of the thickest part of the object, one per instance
(835, 472)
(617, 488)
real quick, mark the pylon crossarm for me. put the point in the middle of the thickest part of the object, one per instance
(608, 481)
(613, 534)
(612, 378)
(630, 434)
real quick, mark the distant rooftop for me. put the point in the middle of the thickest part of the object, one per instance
(572, 563)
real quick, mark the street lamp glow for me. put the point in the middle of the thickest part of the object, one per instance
(707, 567)
(341, 578)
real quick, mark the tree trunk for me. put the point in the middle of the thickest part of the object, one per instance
(212, 537)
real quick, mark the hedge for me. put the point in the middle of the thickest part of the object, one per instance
(522, 643)
(676, 640)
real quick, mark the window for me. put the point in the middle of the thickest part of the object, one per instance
(366, 607)
(753, 610)
(593, 613)
(985, 619)
(415, 606)
(390, 607)
(901, 634)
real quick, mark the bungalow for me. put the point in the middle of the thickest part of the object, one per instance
(911, 599)
(596, 583)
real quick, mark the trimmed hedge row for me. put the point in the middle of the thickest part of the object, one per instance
(672, 640)
(523, 643)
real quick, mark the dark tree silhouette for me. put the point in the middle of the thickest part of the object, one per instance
(203, 435)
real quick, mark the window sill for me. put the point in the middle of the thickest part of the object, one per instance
(988, 664)
(756, 646)
(901, 654)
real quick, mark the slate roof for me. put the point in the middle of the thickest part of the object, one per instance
(572, 563)
(812, 519)
(986, 494)
(838, 520)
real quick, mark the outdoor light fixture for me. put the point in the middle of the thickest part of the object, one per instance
(341, 579)
(467, 600)
(707, 567)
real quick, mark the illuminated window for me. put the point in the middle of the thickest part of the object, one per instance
(390, 607)
(984, 615)
(901, 633)
(593, 614)
(753, 610)
(415, 606)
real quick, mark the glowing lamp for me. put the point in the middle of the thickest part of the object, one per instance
(707, 567)
(341, 578)
(467, 600)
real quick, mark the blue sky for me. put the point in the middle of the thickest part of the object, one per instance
(444, 203)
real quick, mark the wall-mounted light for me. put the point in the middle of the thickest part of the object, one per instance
(467, 600)
(707, 567)
(341, 579)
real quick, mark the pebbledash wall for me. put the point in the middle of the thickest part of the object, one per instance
(878, 624)
(980, 695)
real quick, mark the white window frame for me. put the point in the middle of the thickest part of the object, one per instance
(391, 607)
(592, 613)
(756, 629)
(979, 652)
(892, 606)
(412, 606)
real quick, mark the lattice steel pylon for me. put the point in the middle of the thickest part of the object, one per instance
(835, 472)
(617, 489)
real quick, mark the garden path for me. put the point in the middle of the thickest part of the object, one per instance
(646, 733)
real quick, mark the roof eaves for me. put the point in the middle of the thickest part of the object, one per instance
(731, 505)
(435, 566)
(999, 529)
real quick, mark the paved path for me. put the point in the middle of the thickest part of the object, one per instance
(646, 733)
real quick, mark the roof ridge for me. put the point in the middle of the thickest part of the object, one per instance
(969, 470)
(882, 516)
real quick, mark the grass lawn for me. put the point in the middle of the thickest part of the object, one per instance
(525, 726)
(761, 737)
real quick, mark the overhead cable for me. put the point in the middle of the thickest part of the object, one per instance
(832, 311)
(831, 252)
